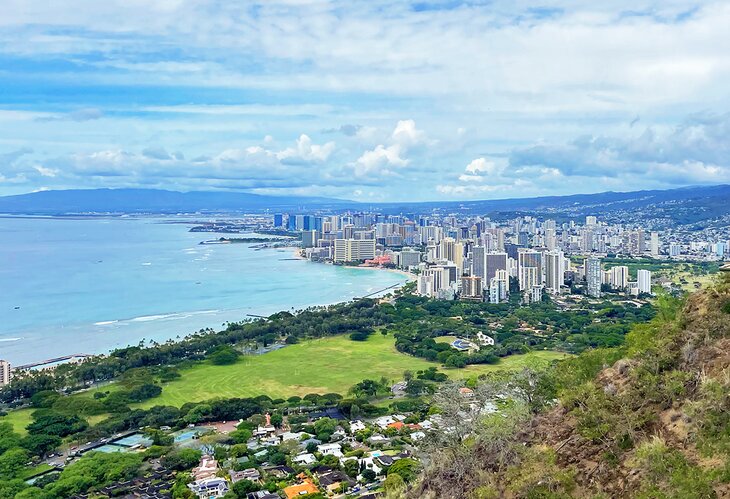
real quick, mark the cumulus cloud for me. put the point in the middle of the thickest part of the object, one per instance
(306, 151)
(384, 158)
(481, 166)
(697, 150)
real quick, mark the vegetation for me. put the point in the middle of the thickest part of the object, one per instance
(600, 438)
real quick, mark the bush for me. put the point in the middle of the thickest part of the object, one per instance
(223, 355)
(144, 392)
(182, 459)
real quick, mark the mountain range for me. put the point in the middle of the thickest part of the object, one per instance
(689, 203)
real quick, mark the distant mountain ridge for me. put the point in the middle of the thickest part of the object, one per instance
(691, 203)
(78, 201)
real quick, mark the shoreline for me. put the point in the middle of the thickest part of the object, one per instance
(163, 323)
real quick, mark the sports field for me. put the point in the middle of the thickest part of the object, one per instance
(321, 366)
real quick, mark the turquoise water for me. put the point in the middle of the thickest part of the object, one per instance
(90, 285)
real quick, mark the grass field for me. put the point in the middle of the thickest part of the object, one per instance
(324, 365)
(19, 419)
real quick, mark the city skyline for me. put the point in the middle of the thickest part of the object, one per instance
(435, 100)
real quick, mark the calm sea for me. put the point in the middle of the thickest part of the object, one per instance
(89, 285)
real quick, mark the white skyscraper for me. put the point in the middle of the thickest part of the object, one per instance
(554, 271)
(654, 245)
(4, 372)
(619, 277)
(644, 281)
(594, 276)
(529, 269)
(499, 287)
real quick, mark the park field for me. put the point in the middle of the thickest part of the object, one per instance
(325, 365)
(19, 418)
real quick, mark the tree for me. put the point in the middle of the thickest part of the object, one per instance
(53, 423)
(40, 444)
(416, 387)
(8, 437)
(198, 413)
(182, 459)
(369, 475)
(12, 461)
(144, 392)
(223, 355)
(160, 438)
(243, 487)
(406, 469)
(241, 436)
(394, 484)
(325, 426)
(352, 467)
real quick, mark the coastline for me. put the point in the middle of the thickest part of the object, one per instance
(204, 286)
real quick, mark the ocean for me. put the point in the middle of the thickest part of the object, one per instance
(88, 285)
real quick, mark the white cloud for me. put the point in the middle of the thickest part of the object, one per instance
(407, 135)
(482, 166)
(379, 160)
(306, 151)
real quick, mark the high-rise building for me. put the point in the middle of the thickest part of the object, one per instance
(309, 238)
(478, 263)
(593, 276)
(278, 220)
(354, 250)
(619, 277)
(409, 258)
(654, 246)
(529, 268)
(644, 281)
(535, 294)
(591, 221)
(675, 249)
(494, 262)
(551, 241)
(432, 280)
(499, 287)
(471, 288)
(4, 372)
(635, 242)
(554, 271)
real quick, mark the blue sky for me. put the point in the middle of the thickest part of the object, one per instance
(365, 100)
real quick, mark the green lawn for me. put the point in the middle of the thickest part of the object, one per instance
(19, 419)
(324, 365)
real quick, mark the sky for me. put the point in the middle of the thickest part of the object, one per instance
(365, 100)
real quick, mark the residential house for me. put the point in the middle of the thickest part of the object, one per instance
(208, 488)
(356, 426)
(333, 480)
(262, 494)
(304, 487)
(207, 468)
(333, 449)
(251, 474)
(304, 459)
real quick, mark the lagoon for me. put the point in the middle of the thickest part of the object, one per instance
(88, 285)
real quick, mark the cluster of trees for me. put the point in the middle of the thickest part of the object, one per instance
(517, 329)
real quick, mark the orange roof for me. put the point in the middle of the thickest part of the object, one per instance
(397, 425)
(306, 487)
